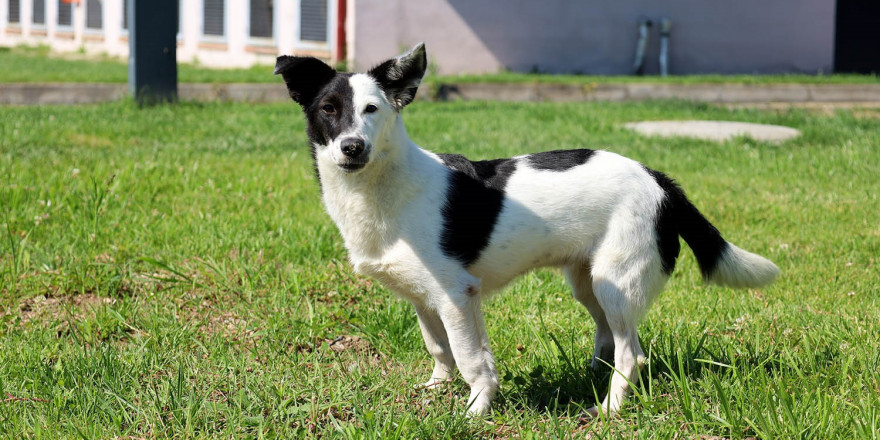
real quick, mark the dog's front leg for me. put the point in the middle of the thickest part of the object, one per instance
(437, 343)
(463, 320)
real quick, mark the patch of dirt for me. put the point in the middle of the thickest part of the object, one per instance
(55, 308)
(715, 437)
(345, 344)
(356, 346)
(11, 398)
(226, 323)
(212, 317)
(350, 343)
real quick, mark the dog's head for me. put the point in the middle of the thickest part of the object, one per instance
(350, 116)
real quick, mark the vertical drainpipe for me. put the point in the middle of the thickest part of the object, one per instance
(641, 46)
(339, 54)
(665, 26)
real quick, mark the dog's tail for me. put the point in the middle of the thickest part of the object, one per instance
(720, 262)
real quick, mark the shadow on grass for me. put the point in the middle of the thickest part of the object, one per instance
(567, 385)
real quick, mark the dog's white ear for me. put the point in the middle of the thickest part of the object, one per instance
(400, 77)
(304, 76)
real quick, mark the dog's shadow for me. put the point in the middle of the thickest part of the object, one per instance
(566, 385)
(557, 386)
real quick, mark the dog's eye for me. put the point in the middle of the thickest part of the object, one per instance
(371, 108)
(329, 109)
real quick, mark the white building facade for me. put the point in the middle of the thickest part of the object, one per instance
(215, 33)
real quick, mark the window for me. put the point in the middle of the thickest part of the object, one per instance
(125, 14)
(93, 14)
(14, 11)
(65, 13)
(213, 17)
(313, 20)
(39, 12)
(261, 18)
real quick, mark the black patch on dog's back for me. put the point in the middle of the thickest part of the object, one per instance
(678, 216)
(559, 160)
(474, 200)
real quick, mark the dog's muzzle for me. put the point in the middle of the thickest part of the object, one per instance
(356, 154)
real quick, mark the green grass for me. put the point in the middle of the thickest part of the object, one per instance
(169, 272)
(37, 64)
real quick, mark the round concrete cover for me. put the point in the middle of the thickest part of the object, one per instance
(714, 130)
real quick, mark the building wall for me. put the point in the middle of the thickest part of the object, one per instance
(235, 49)
(599, 36)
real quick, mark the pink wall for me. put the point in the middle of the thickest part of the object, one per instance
(599, 37)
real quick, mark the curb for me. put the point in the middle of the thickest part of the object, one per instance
(87, 93)
(92, 93)
(61, 93)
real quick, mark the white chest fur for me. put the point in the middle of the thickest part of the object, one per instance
(389, 216)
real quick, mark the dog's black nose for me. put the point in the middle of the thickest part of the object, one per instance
(352, 147)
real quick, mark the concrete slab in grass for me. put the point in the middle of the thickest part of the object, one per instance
(714, 130)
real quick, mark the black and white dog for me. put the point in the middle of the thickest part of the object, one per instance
(442, 231)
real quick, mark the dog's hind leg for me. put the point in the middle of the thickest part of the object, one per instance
(623, 324)
(625, 281)
(437, 343)
(581, 282)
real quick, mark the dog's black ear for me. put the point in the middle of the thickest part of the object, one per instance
(304, 77)
(400, 77)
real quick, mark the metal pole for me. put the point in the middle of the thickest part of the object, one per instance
(152, 60)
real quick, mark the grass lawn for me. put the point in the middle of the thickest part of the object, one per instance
(37, 64)
(169, 272)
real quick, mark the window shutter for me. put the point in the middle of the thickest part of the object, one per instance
(14, 11)
(261, 18)
(213, 17)
(93, 14)
(39, 14)
(313, 20)
(65, 12)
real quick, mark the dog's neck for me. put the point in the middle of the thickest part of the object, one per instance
(366, 205)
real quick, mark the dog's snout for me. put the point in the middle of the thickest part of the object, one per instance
(352, 147)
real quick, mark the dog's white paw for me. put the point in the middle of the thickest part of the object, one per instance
(607, 409)
(433, 383)
(478, 410)
(479, 404)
